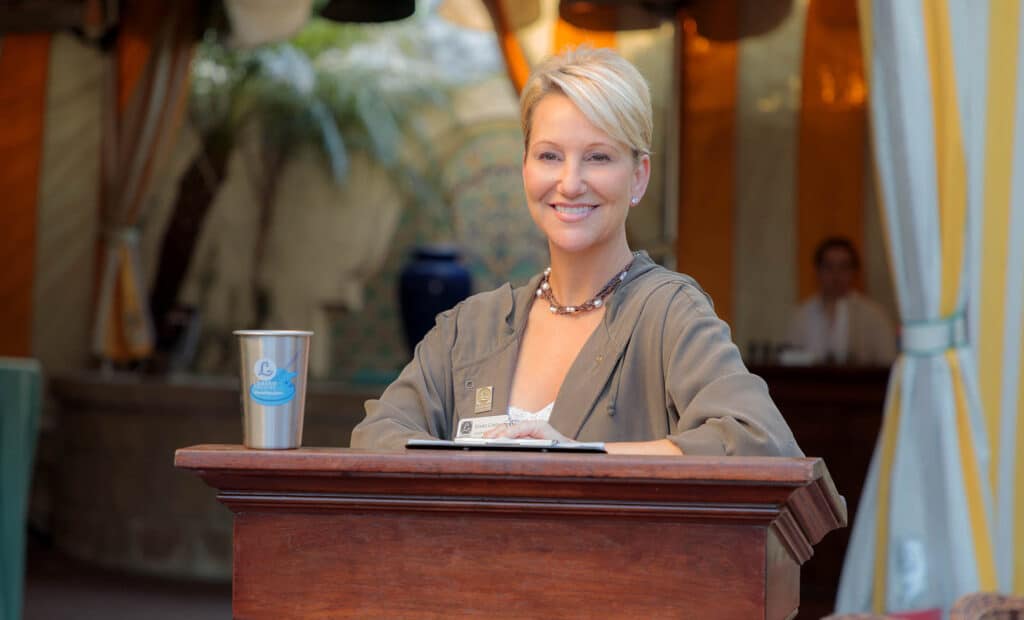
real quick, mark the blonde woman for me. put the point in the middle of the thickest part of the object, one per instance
(605, 345)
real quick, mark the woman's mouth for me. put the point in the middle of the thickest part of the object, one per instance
(572, 212)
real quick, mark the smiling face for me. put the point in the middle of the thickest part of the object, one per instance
(578, 180)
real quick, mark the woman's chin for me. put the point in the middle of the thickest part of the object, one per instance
(572, 243)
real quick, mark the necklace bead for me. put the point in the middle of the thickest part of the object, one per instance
(544, 290)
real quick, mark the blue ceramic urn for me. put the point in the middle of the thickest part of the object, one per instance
(431, 282)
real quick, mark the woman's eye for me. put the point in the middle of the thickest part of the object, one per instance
(599, 157)
(547, 156)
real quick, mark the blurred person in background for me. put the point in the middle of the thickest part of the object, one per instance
(839, 325)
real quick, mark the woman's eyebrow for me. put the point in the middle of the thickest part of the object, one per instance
(591, 145)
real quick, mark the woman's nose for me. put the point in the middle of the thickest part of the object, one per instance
(571, 183)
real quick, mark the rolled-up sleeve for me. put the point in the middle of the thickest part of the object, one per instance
(418, 404)
(722, 408)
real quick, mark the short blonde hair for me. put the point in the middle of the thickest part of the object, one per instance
(606, 88)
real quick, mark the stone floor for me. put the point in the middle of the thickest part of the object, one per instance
(58, 587)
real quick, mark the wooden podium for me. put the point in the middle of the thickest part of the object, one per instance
(340, 533)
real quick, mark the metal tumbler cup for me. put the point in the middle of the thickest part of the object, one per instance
(274, 364)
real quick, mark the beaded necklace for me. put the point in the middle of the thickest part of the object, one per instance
(544, 291)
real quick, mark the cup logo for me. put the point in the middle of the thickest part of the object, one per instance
(264, 369)
(273, 385)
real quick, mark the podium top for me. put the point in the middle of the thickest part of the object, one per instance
(795, 497)
(784, 472)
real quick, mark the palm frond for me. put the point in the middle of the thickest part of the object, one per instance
(331, 141)
(339, 87)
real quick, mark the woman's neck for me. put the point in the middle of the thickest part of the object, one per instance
(577, 277)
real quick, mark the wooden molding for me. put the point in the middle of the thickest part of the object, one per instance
(794, 496)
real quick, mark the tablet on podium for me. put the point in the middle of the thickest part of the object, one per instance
(522, 445)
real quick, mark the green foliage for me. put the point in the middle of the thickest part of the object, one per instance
(337, 86)
(320, 35)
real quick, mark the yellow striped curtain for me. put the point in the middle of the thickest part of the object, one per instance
(942, 514)
(143, 109)
(998, 277)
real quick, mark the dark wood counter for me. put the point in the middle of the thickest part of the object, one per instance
(835, 414)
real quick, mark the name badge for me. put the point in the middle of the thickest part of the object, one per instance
(476, 427)
(484, 396)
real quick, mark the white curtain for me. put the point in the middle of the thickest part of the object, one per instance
(923, 532)
(996, 308)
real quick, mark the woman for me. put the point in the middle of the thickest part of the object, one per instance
(604, 345)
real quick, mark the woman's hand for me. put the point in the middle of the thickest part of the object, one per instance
(530, 429)
(537, 429)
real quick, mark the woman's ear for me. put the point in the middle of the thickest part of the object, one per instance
(641, 176)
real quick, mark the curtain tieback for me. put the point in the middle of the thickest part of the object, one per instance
(934, 336)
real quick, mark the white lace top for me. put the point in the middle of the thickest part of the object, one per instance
(521, 415)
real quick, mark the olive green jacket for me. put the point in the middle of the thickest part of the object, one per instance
(660, 364)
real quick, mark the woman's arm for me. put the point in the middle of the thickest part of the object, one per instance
(722, 408)
(662, 447)
(418, 404)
